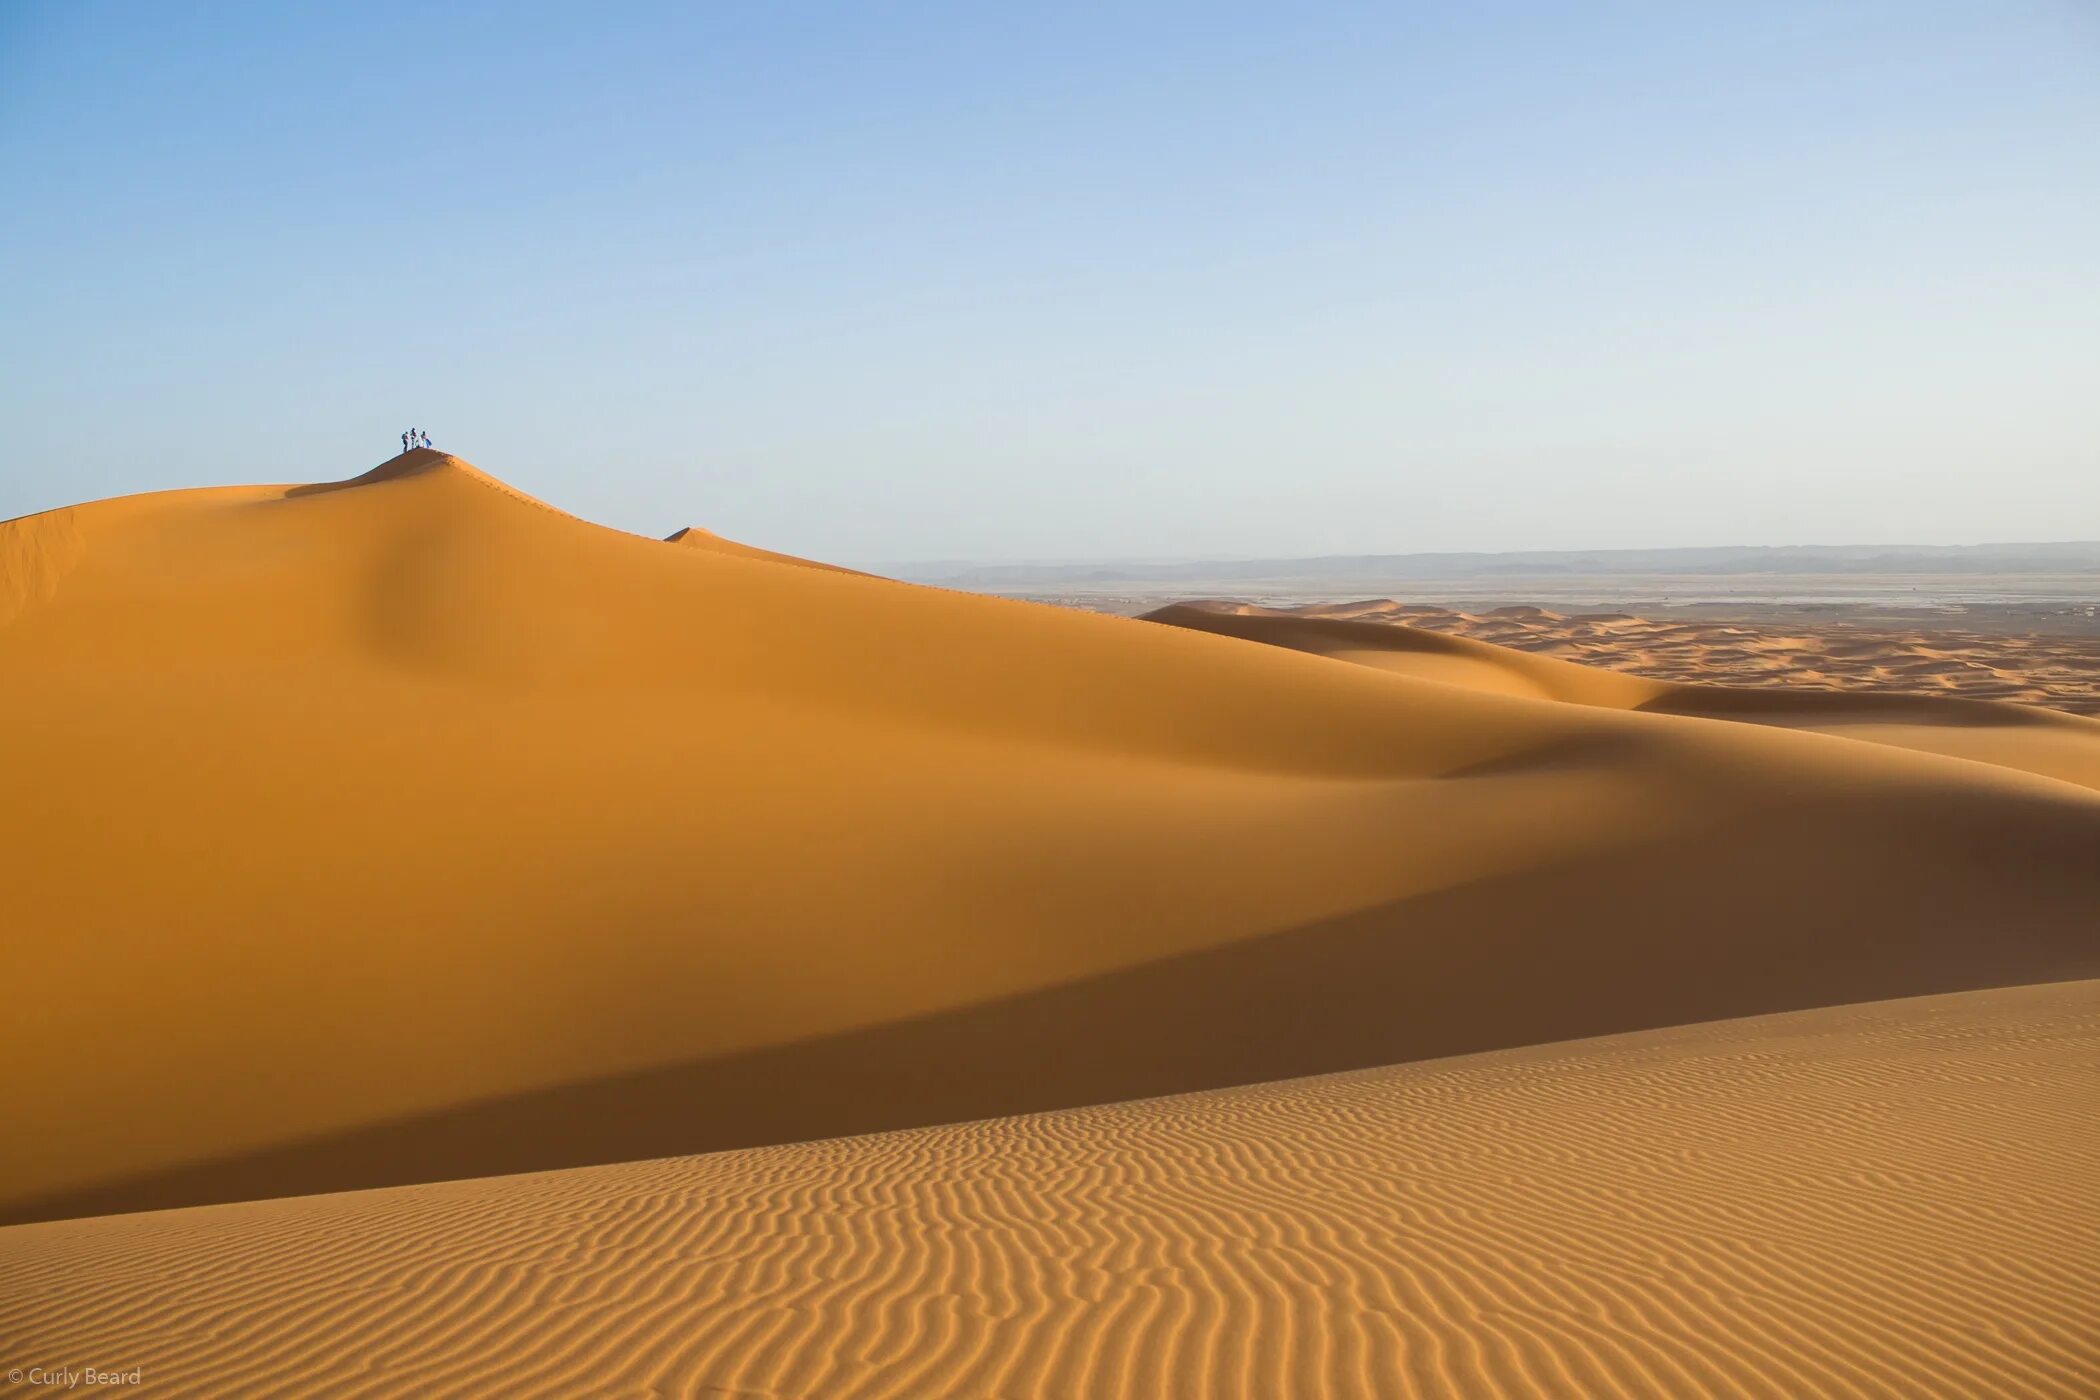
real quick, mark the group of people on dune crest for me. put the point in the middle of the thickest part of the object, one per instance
(414, 438)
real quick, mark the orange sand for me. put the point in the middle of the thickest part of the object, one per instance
(409, 828)
(1899, 1199)
(693, 537)
(406, 828)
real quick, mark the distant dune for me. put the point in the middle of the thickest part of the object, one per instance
(1899, 1199)
(407, 827)
(1398, 639)
(2057, 670)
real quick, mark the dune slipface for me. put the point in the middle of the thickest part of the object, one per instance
(407, 828)
(1898, 1199)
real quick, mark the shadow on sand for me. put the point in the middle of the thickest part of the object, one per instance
(1713, 924)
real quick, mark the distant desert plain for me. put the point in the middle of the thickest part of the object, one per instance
(456, 949)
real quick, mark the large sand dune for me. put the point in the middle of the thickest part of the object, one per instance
(406, 827)
(1900, 1199)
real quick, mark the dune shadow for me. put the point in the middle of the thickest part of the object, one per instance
(1765, 917)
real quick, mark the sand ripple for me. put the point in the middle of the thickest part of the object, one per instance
(1895, 1199)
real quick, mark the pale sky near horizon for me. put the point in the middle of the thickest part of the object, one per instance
(1003, 282)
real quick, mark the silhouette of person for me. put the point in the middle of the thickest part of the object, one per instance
(404, 442)
(426, 439)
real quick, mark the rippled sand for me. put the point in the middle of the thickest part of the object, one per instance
(1898, 1199)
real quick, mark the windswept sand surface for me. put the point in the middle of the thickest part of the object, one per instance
(1898, 1199)
(407, 828)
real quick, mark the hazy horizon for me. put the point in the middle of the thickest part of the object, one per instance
(1021, 286)
(1895, 547)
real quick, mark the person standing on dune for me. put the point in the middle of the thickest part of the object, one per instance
(404, 443)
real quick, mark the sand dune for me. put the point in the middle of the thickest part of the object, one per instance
(1899, 1199)
(2061, 671)
(407, 827)
(1504, 652)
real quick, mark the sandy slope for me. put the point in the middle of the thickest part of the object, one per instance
(693, 537)
(1900, 1199)
(409, 828)
(1419, 643)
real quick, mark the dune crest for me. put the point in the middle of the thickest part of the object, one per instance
(36, 551)
(530, 843)
(420, 461)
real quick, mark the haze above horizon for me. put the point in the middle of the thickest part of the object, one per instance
(1076, 283)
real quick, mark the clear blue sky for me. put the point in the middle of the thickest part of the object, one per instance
(997, 282)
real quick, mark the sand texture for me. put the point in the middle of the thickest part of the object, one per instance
(1900, 1199)
(408, 828)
